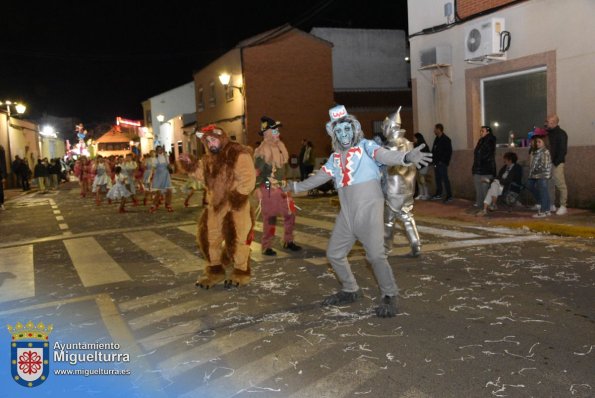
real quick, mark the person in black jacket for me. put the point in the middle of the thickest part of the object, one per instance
(558, 147)
(509, 180)
(441, 152)
(484, 163)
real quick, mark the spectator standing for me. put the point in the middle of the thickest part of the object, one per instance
(16, 170)
(308, 159)
(54, 171)
(540, 171)
(558, 148)
(25, 174)
(422, 174)
(441, 154)
(41, 174)
(484, 163)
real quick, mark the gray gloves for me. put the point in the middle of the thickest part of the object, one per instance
(418, 158)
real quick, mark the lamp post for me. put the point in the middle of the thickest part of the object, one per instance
(225, 78)
(20, 108)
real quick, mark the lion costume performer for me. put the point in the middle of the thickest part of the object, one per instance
(225, 225)
(354, 166)
(399, 187)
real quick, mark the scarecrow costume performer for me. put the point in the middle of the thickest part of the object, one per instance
(226, 223)
(355, 168)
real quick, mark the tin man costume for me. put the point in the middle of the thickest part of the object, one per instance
(399, 187)
(354, 166)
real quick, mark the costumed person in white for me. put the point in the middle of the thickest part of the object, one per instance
(399, 187)
(118, 191)
(102, 180)
(161, 182)
(355, 168)
(129, 167)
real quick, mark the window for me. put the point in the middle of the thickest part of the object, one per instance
(201, 99)
(212, 97)
(180, 147)
(148, 117)
(513, 104)
(228, 93)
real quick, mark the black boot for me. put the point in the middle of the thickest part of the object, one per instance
(341, 298)
(269, 252)
(292, 246)
(387, 307)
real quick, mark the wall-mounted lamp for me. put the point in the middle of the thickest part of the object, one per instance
(225, 78)
(160, 118)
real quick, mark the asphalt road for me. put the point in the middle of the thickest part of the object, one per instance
(484, 312)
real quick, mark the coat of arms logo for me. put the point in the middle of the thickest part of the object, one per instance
(30, 353)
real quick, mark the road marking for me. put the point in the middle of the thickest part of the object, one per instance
(342, 381)
(152, 299)
(171, 334)
(17, 275)
(175, 258)
(400, 251)
(255, 247)
(56, 212)
(59, 218)
(163, 314)
(93, 264)
(63, 226)
(217, 347)
(254, 373)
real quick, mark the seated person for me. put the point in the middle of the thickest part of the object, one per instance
(509, 179)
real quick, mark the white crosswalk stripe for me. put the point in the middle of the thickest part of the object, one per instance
(17, 275)
(93, 264)
(170, 255)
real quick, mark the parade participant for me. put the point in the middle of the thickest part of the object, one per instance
(149, 166)
(118, 191)
(189, 162)
(225, 225)
(161, 183)
(354, 167)
(129, 169)
(102, 181)
(271, 158)
(82, 172)
(399, 187)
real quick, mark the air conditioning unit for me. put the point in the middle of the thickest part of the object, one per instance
(439, 55)
(486, 39)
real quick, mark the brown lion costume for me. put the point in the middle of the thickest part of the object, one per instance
(226, 224)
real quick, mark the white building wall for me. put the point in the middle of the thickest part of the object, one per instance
(171, 104)
(367, 58)
(536, 26)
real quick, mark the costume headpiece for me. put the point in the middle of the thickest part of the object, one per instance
(267, 123)
(211, 128)
(393, 123)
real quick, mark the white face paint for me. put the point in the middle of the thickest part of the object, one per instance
(344, 134)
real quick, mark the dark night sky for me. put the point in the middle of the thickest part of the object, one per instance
(95, 60)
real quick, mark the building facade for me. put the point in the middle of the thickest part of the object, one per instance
(507, 64)
(285, 74)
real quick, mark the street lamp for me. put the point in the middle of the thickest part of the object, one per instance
(225, 78)
(20, 108)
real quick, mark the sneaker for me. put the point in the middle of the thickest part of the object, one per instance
(436, 197)
(341, 298)
(269, 252)
(419, 197)
(448, 199)
(553, 208)
(536, 207)
(481, 213)
(541, 215)
(562, 210)
(493, 207)
(292, 246)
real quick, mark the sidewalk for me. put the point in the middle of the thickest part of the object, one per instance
(578, 222)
